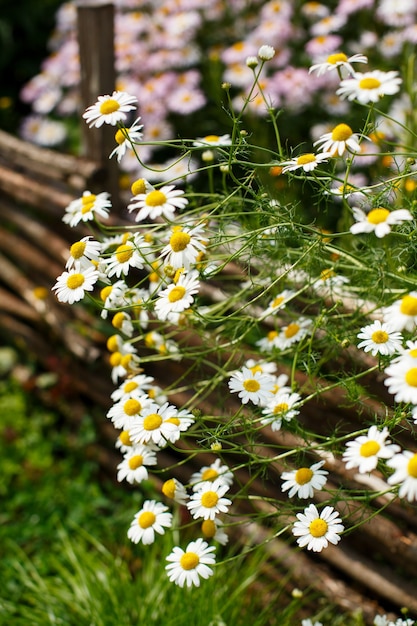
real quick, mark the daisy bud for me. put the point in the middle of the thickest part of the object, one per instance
(266, 53)
(252, 62)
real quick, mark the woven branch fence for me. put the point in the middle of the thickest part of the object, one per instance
(373, 569)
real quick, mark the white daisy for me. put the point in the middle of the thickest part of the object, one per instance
(133, 387)
(380, 338)
(113, 296)
(123, 442)
(279, 301)
(127, 255)
(378, 220)
(151, 519)
(255, 387)
(153, 425)
(185, 246)
(213, 529)
(213, 141)
(405, 466)
(133, 467)
(71, 286)
(268, 343)
(125, 137)
(266, 53)
(370, 86)
(303, 481)
(158, 202)
(308, 162)
(208, 501)
(338, 61)
(402, 380)
(282, 407)
(266, 367)
(365, 451)
(177, 297)
(294, 332)
(122, 321)
(402, 314)
(315, 530)
(175, 490)
(122, 412)
(82, 252)
(209, 473)
(340, 139)
(110, 109)
(183, 420)
(186, 567)
(85, 209)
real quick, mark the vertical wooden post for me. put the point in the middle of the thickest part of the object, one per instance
(95, 25)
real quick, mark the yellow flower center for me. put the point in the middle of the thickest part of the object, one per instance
(89, 198)
(124, 253)
(209, 499)
(280, 408)
(125, 360)
(369, 83)
(341, 132)
(109, 106)
(118, 320)
(138, 186)
(272, 335)
(377, 216)
(212, 138)
(146, 519)
(132, 407)
(291, 330)
(277, 301)
(318, 527)
(125, 438)
(337, 57)
(120, 136)
(303, 475)
(303, 159)
(130, 386)
(251, 385)
(177, 293)
(135, 461)
(179, 241)
(370, 448)
(326, 274)
(411, 377)
(115, 359)
(256, 368)
(380, 336)
(173, 420)
(189, 560)
(75, 280)
(208, 528)
(168, 488)
(77, 249)
(209, 474)
(409, 306)
(413, 353)
(412, 466)
(155, 198)
(152, 421)
(105, 292)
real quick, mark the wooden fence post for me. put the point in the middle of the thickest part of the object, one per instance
(95, 25)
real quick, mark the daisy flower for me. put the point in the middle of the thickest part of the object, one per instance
(303, 481)
(208, 500)
(122, 412)
(133, 467)
(183, 420)
(175, 490)
(370, 86)
(265, 367)
(213, 141)
(315, 530)
(380, 338)
(213, 529)
(255, 387)
(83, 252)
(133, 387)
(266, 53)
(282, 407)
(153, 424)
(402, 379)
(209, 473)
(268, 343)
(402, 314)
(157, 202)
(127, 255)
(86, 208)
(186, 567)
(110, 109)
(125, 137)
(365, 451)
(123, 442)
(279, 302)
(293, 333)
(185, 246)
(378, 220)
(338, 61)
(308, 162)
(405, 466)
(71, 286)
(340, 139)
(151, 519)
(177, 297)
